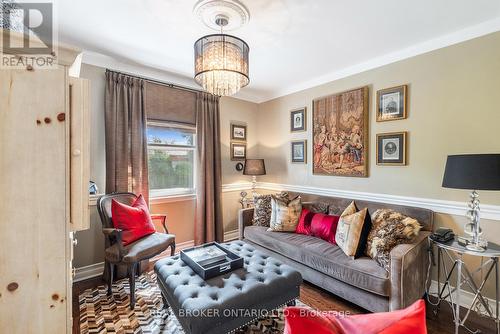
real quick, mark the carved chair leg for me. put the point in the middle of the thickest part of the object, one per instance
(132, 284)
(111, 268)
(172, 249)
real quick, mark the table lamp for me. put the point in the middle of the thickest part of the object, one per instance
(254, 167)
(473, 172)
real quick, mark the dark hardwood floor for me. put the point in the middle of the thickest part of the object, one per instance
(324, 301)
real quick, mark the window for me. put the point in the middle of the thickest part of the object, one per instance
(171, 159)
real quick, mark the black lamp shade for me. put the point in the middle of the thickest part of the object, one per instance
(472, 172)
(254, 167)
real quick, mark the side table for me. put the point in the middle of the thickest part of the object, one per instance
(454, 252)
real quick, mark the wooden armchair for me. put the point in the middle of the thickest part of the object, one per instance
(130, 255)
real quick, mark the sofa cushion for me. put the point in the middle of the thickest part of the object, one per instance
(324, 257)
(285, 214)
(262, 208)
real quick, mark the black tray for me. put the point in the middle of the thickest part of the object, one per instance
(232, 262)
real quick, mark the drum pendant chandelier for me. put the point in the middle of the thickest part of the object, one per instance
(221, 60)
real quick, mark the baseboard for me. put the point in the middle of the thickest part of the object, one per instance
(231, 235)
(466, 297)
(87, 272)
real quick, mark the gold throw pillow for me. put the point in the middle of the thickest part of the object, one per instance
(352, 230)
(285, 215)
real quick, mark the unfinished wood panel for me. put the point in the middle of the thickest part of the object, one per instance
(79, 117)
(34, 270)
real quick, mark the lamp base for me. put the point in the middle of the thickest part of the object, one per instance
(475, 248)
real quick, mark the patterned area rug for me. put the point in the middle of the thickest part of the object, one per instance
(102, 314)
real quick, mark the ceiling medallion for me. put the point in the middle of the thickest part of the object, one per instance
(220, 60)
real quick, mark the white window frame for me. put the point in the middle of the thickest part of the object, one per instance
(174, 193)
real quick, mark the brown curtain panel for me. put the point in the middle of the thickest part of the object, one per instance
(126, 141)
(208, 222)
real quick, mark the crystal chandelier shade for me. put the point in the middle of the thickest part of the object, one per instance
(221, 64)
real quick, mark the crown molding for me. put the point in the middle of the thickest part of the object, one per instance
(456, 37)
(488, 211)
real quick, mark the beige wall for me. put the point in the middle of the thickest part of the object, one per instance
(180, 214)
(453, 108)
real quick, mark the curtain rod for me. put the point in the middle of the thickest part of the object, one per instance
(171, 85)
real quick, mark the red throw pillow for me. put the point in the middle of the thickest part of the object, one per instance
(135, 220)
(324, 227)
(410, 320)
(304, 226)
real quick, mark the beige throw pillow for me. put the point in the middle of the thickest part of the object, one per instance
(285, 215)
(352, 230)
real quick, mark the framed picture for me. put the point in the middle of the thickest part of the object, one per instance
(298, 120)
(391, 148)
(340, 134)
(238, 151)
(238, 132)
(391, 104)
(299, 151)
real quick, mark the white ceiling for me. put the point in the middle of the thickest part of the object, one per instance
(294, 44)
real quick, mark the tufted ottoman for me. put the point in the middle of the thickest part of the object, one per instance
(227, 302)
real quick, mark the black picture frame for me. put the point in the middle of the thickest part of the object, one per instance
(298, 120)
(235, 157)
(391, 149)
(302, 147)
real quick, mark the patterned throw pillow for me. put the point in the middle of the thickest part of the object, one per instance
(285, 215)
(389, 229)
(352, 230)
(262, 208)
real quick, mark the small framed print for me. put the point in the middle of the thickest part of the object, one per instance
(298, 120)
(391, 104)
(391, 148)
(238, 151)
(299, 151)
(238, 132)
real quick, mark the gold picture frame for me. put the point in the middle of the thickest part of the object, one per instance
(391, 149)
(238, 156)
(392, 103)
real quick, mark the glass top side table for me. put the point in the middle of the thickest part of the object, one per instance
(454, 252)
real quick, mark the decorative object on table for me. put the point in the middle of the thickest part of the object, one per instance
(262, 208)
(352, 230)
(391, 148)
(285, 214)
(457, 275)
(254, 167)
(299, 151)
(239, 166)
(93, 189)
(245, 201)
(443, 235)
(238, 132)
(298, 120)
(391, 104)
(211, 259)
(340, 134)
(410, 320)
(389, 229)
(221, 61)
(238, 151)
(473, 172)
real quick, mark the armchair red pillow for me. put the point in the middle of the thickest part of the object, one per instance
(411, 320)
(134, 220)
(318, 225)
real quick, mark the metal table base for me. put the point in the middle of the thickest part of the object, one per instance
(454, 252)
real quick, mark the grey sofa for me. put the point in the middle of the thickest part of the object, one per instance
(361, 281)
